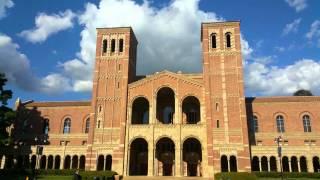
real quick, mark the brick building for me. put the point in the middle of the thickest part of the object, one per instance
(167, 123)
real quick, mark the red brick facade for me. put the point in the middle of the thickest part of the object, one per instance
(171, 123)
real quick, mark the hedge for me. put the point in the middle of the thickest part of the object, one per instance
(235, 176)
(28, 172)
(288, 175)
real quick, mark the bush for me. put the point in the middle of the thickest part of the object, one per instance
(235, 176)
(15, 173)
(288, 175)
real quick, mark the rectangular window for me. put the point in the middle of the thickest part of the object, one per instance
(218, 124)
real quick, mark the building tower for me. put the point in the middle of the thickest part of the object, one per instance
(228, 148)
(115, 68)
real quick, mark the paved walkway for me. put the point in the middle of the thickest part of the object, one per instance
(163, 178)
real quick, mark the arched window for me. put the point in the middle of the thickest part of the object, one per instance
(113, 45)
(280, 124)
(121, 45)
(254, 124)
(45, 126)
(228, 40)
(86, 130)
(306, 123)
(213, 40)
(104, 46)
(67, 126)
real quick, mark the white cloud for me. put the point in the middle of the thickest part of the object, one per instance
(168, 27)
(16, 67)
(263, 79)
(291, 27)
(314, 33)
(55, 83)
(4, 4)
(298, 5)
(47, 25)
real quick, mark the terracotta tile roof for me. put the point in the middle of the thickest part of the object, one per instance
(59, 103)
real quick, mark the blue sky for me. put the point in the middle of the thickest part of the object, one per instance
(47, 47)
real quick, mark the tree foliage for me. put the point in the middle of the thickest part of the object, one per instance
(7, 115)
(303, 92)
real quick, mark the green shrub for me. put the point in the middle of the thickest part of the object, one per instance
(14, 173)
(235, 176)
(288, 175)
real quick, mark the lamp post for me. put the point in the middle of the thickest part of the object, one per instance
(39, 150)
(279, 150)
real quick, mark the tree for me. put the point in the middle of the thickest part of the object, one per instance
(7, 115)
(302, 92)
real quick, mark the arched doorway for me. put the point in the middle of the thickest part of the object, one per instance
(191, 110)
(285, 164)
(138, 157)
(108, 163)
(233, 164)
(140, 111)
(224, 163)
(75, 162)
(43, 162)
(264, 163)
(82, 162)
(316, 164)
(273, 164)
(57, 162)
(165, 154)
(303, 164)
(67, 162)
(165, 105)
(100, 163)
(33, 161)
(50, 162)
(294, 164)
(255, 164)
(192, 157)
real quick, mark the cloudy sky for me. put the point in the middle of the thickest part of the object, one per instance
(47, 48)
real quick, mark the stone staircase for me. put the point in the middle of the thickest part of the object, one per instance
(163, 178)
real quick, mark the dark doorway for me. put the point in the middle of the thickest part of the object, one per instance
(138, 158)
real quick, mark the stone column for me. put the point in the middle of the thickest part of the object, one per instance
(47, 162)
(289, 162)
(228, 158)
(259, 165)
(185, 168)
(62, 162)
(150, 160)
(128, 161)
(309, 164)
(154, 110)
(268, 161)
(178, 161)
(3, 160)
(176, 110)
(198, 169)
(151, 112)
(156, 163)
(298, 161)
(160, 168)
(53, 162)
(278, 165)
